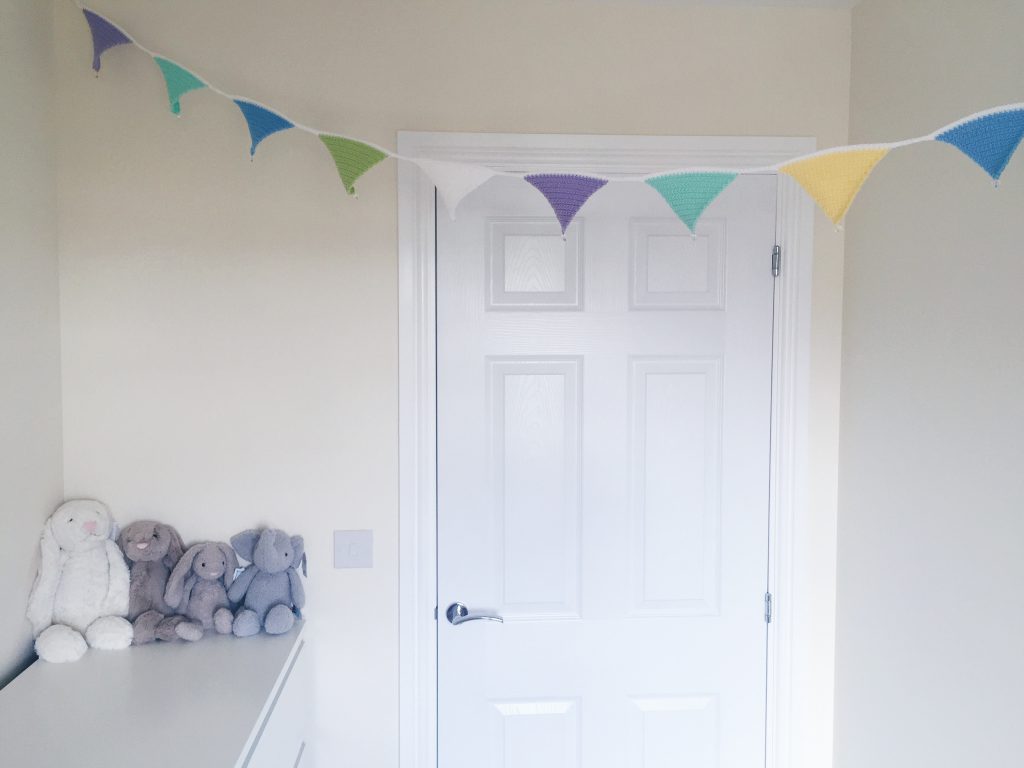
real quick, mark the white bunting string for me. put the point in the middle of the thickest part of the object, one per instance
(833, 181)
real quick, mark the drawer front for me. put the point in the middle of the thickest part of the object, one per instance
(281, 742)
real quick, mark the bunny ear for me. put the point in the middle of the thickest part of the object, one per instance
(115, 529)
(48, 546)
(175, 549)
(44, 590)
(232, 564)
(176, 582)
(122, 536)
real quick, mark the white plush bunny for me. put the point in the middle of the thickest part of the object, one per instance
(82, 585)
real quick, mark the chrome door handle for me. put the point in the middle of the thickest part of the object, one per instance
(457, 614)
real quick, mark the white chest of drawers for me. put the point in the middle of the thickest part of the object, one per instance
(223, 702)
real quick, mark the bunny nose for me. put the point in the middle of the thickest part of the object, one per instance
(89, 527)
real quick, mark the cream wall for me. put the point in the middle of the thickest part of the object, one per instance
(931, 574)
(229, 328)
(30, 433)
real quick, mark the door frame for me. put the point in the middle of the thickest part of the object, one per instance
(801, 648)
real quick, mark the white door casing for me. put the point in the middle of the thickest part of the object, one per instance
(798, 691)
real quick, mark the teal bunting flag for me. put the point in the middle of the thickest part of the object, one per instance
(179, 82)
(688, 194)
(989, 140)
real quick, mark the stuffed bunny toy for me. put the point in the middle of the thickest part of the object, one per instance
(153, 550)
(199, 585)
(270, 589)
(82, 585)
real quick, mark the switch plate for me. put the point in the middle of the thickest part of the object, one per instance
(353, 549)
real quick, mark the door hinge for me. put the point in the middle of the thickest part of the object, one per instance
(435, 613)
(776, 260)
(767, 607)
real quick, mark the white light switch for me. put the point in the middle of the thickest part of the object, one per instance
(353, 549)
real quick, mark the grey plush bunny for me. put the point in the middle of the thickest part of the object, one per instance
(153, 549)
(199, 585)
(270, 588)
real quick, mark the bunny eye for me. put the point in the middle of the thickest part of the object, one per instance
(202, 565)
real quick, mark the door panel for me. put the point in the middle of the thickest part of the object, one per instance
(675, 442)
(603, 447)
(535, 405)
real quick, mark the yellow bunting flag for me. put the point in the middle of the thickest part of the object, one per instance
(833, 179)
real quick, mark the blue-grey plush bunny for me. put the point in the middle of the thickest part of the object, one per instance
(270, 589)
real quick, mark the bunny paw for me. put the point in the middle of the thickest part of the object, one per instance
(109, 633)
(59, 643)
(222, 620)
(145, 627)
(189, 630)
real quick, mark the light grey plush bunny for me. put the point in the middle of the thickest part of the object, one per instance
(153, 550)
(271, 587)
(199, 585)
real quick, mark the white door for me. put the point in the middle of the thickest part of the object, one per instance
(603, 464)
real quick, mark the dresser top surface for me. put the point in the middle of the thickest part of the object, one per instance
(162, 705)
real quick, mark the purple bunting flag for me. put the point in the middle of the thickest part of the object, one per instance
(566, 192)
(104, 36)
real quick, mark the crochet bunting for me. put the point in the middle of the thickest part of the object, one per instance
(833, 179)
(352, 158)
(989, 140)
(179, 82)
(566, 192)
(454, 180)
(688, 194)
(262, 122)
(104, 36)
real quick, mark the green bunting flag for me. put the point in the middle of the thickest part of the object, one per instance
(690, 193)
(179, 82)
(353, 158)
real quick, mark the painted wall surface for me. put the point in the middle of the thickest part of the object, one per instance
(931, 609)
(30, 431)
(230, 327)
